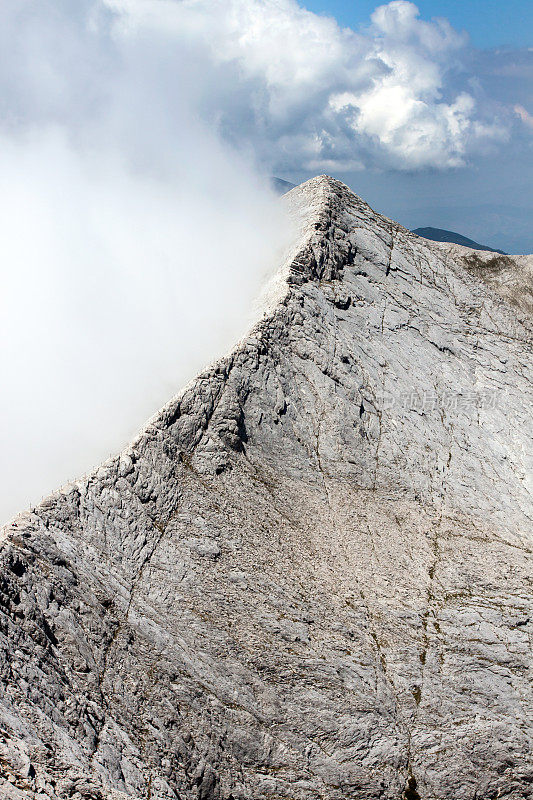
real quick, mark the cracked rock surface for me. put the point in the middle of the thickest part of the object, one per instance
(308, 577)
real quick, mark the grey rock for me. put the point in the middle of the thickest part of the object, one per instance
(309, 575)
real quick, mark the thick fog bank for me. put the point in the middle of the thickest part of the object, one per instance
(116, 288)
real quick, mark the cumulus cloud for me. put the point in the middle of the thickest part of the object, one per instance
(307, 94)
(524, 115)
(404, 109)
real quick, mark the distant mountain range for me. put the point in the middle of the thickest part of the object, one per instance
(280, 186)
(441, 235)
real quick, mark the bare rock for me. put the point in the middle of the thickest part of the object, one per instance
(308, 576)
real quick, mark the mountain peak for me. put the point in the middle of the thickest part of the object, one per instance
(307, 576)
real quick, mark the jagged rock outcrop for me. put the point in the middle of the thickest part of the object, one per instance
(308, 576)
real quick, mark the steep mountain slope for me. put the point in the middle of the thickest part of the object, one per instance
(442, 235)
(308, 576)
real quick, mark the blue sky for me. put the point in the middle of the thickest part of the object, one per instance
(490, 23)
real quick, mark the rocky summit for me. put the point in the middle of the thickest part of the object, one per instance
(308, 577)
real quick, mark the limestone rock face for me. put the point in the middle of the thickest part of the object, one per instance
(308, 576)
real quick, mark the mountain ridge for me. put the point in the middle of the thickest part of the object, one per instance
(310, 564)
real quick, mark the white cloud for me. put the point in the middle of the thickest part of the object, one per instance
(524, 115)
(304, 93)
(132, 246)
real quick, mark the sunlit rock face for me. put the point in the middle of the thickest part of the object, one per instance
(308, 576)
